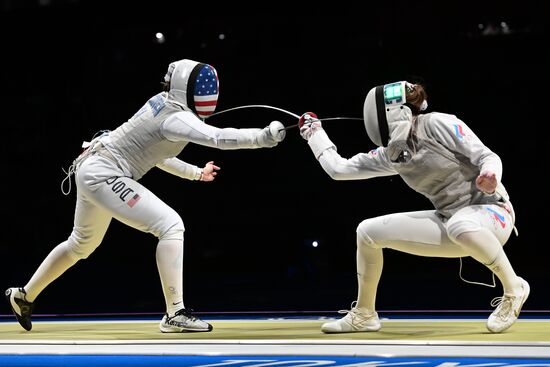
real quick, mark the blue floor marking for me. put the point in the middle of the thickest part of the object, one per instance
(256, 361)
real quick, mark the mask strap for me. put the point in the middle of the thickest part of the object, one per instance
(381, 114)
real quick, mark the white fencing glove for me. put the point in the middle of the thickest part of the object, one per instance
(309, 124)
(271, 135)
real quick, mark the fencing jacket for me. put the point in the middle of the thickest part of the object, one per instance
(160, 130)
(446, 159)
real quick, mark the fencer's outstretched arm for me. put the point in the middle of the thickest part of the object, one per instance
(185, 126)
(361, 166)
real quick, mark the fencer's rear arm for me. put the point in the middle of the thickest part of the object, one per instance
(458, 137)
(180, 168)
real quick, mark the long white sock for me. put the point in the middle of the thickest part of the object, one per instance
(485, 248)
(170, 267)
(56, 263)
(370, 262)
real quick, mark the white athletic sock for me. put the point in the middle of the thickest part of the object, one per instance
(483, 246)
(170, 267)
(56, 263)
(369, 270)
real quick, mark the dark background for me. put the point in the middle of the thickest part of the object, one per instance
(71, 68)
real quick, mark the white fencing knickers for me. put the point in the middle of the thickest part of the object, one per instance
(424, 233)
(104, 193)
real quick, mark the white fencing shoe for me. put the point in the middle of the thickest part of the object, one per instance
(183, 321)
(356, 320)
(507, 309)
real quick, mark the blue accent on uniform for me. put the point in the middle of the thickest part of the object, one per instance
(458, 131)
(500, 216)
(157, 104)
(286, 361)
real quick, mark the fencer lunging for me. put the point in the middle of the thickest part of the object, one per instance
(437, 155)
(107, 174)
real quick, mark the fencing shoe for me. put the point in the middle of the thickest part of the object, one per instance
(507, 309)
(22, 309)
(183, 321)
(356, 320)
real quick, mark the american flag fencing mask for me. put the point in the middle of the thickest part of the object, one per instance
(204, 85)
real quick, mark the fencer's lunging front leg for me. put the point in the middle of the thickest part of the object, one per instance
(370, 262)
(362, 316)
(170, 266)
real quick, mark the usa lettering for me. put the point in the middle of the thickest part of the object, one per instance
(119, 187)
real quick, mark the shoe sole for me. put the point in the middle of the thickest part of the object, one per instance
(12, 303)
(527, 289)
(368, 330)
(179, 330)
(352, 331)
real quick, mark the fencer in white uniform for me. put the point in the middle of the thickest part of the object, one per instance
(437, 155)
(107, 174)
